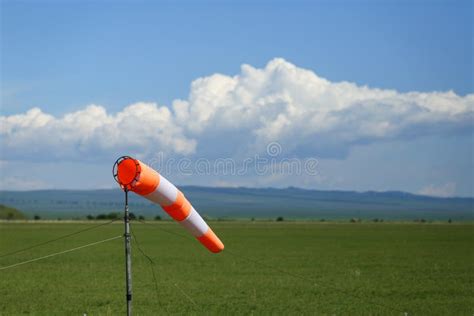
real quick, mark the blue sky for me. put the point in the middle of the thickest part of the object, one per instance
(61, 56)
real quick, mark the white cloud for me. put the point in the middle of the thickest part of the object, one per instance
(445, 190)
(92, 132)
(229, 116)
(310, 115)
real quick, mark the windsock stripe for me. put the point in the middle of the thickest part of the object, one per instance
(211, 241)
(148, 180)
(194, 224)
(165, 194)
(168, 191)
(180, 209)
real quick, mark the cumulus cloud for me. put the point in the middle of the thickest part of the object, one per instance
(237, 115)
(92, 132)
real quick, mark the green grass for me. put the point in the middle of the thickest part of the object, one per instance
(319, 268)
(10, 213)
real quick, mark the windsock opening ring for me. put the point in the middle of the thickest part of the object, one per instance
(129, 170)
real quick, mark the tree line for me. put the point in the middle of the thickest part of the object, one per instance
(117, 215)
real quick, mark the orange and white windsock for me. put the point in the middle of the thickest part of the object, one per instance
(134, 175)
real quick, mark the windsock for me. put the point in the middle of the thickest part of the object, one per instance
(134, 175)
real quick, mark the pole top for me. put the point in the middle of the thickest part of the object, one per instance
(126, 172)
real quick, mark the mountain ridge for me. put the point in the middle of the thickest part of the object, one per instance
(388, 192)
(234, 202)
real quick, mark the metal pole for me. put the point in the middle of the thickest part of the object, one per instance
(128, 259)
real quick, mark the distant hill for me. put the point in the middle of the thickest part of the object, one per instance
(10, 213)
(248, 202)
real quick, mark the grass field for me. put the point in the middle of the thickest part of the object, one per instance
(302, 268)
